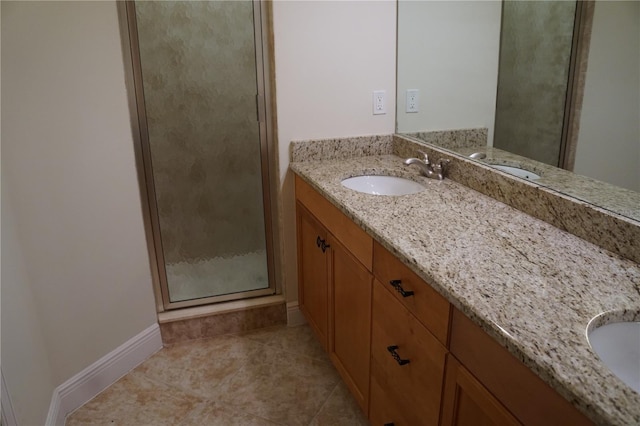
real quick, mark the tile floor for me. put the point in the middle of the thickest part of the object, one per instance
(274, 376)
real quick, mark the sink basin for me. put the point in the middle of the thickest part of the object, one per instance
(382, 185)
(517, 171)
(618, 346)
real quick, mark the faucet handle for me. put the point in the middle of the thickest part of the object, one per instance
(425, 157)
(442, 163)
(439, 167)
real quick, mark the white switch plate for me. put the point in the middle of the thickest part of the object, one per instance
(379, 102)
(413, 100)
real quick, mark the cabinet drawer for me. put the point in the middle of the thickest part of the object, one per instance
(425, 303)
(414, 388)
(358, 242)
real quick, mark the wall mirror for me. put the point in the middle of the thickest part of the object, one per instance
(556, 83)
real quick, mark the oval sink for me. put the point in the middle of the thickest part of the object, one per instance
(618, 346)
(517, 171)
(382, 185)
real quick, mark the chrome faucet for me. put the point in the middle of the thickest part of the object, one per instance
(427, 168)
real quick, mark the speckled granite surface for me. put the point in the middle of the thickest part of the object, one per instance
(455, 139)
(614, 198)
(614, 232)
(328, 149)
(531, 286)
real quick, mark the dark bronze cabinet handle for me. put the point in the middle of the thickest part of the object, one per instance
(390, 424)
(394, 354)
(397, 284)
(322, 244)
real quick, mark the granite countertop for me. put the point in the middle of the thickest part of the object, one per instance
(532, 286)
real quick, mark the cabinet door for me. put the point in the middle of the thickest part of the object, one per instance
(467, 402)
(407, 365)
(350, 321)
(313, 273)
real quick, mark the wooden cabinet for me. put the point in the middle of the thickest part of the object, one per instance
(313, 273)
(407, 365)
(335, 286)
(467, 402)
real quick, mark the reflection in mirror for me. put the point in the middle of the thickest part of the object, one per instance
(555, 83)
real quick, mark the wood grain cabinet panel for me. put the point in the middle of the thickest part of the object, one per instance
(313, 274)
(467, 403)
(407, 365)
(350, 321)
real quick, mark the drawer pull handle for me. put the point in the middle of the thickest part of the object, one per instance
(397, 284)
(322, 244)
(390, 424)
(394, 354)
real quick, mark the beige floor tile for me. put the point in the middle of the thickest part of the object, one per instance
(341, 409)
(199, 367)
(285, 388)
(299, 339)
(274, 376)
(211, 413)
(135, 400)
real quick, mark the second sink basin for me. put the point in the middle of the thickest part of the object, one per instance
(517, 171)
(382, 185)
(618, 346)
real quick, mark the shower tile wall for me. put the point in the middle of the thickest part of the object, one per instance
(535, 50)
(199, 73)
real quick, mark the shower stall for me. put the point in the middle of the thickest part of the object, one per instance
(537, 91)
(199, 73)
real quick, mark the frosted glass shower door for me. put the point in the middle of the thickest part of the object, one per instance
(200, 67)
(535, 54)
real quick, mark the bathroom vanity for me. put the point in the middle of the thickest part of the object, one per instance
(449, 307)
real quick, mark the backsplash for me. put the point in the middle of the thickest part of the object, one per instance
(331, 149)
(455, 139)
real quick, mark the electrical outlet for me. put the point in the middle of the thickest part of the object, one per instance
(379, 104)
(413, 100)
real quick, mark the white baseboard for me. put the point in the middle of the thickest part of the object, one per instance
(294, 316)
(6, 408)
(88, 383)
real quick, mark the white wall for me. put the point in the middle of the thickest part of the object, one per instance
(449, 51)
(609, 138)
(68, 161)
(25, 363)
(330, 56)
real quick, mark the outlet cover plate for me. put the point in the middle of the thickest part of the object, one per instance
(379, 102)
(413, 100)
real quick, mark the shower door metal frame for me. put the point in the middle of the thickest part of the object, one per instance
(135, 90)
